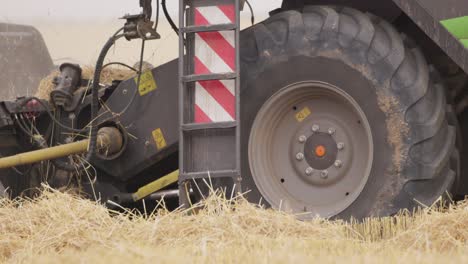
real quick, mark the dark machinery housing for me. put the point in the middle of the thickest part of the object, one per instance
(336, 108)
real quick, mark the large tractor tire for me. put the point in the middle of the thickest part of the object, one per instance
(341, 117)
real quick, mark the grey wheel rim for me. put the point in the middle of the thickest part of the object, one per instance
(311, 150)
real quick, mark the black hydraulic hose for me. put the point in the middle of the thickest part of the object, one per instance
(95, 94)
(156, 20)
(120, 64)
(168, 17)
(252, 14)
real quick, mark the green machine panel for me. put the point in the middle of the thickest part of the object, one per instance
(446, 22)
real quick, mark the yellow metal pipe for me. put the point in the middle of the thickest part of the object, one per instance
(44, 154)
(106, 138)
(156, 186)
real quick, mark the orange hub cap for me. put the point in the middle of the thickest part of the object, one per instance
(320, 151)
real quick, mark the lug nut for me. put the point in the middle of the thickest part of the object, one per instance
(324, 174)
(315, 128)
(340, 146)
(338, 163)
(302, 139)
(309, 171)
(331, 131)
(299, 156)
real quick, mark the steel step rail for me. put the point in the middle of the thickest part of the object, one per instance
(209, 81)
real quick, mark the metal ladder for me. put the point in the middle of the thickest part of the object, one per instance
(208, 149)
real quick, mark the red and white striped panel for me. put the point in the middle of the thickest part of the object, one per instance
(215, 52)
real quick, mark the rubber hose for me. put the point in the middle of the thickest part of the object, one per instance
(168, 17)
(95, 96)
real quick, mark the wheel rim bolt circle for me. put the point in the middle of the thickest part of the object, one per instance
(340, 146)
(299, 156)
(315, 128)
(302, 139)
(309, 171)
(324, 174)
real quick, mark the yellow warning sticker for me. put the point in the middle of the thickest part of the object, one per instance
(147, 83)
(303, 114)
(158, 137)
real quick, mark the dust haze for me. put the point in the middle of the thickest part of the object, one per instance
(75, 31)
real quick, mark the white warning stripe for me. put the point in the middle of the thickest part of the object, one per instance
(209, 57)
(210, 106)
(229, 37)
(208, 98)
(214, 15)
(230, 86)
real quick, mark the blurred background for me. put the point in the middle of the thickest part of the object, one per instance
(76, 30)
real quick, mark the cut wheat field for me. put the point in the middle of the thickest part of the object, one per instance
(64, 228)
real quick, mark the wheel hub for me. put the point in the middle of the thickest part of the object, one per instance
(325, 157)
(320, 151)
(311, 149)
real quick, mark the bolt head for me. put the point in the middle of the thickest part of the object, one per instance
(340, 146)
(147, 143)
(299, 156)
(315, 128)
(331, 131)
(324, 174)
(338, 163)
(124, 91)
(309, 171)
(302, 139)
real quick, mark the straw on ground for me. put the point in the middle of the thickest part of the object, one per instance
(63, 228)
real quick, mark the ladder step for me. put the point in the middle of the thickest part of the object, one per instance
(209, 77)
(208, 28)
(206, 175)
(205, 126)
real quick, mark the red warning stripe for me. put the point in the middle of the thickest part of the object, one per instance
(217, 89)
(200, 116)
(229, 11)
(221, 46)
(214, 102)
(215, 40)
(200, 19)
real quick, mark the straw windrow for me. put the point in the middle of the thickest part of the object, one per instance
(60, 227)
